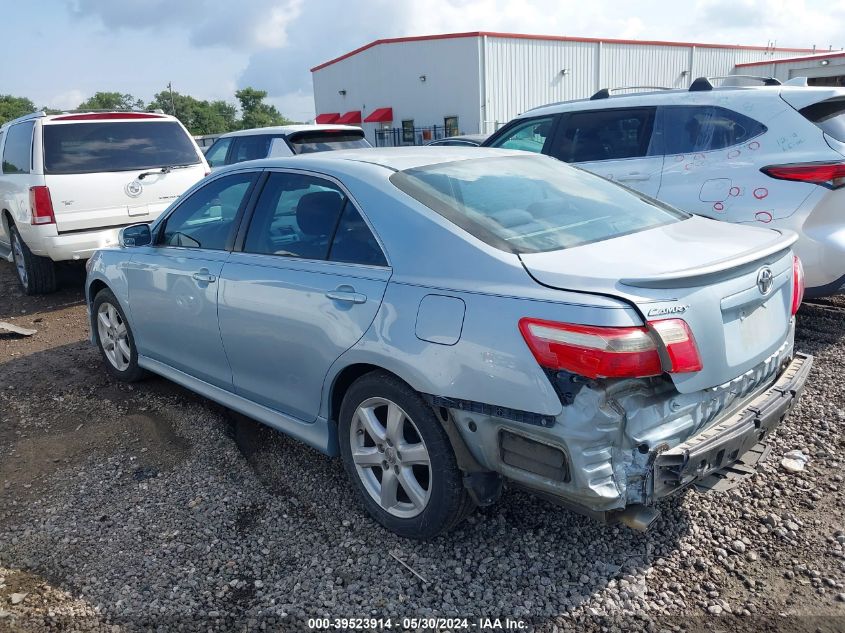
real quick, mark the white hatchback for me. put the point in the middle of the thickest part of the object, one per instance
(70, 181)
(770, 155)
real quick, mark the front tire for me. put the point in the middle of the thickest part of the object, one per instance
(399, 458)
(114, 338)
(37, 275)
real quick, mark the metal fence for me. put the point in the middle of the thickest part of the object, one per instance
(398, 136)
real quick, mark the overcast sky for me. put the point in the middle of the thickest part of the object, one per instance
(58, 52)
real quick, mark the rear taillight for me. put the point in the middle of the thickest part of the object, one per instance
(797, 283)
(41, 205)
(830, 175)
(611, 352)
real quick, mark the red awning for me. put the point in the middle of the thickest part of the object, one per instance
(353, 117)
(328, 117)
(381, 115)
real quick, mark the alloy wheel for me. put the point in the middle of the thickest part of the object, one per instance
(114, 337)
(17, 254)
(390, 457)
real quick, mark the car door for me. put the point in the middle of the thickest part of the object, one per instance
(300, 289)
(173, 283)
(617, 143)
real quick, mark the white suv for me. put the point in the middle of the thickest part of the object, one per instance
(770, 155)
(282, 140)
(69, 181)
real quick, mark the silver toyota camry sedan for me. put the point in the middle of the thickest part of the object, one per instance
(450, 321)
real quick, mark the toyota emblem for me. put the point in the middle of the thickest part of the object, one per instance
(134, 189)
(765, 280)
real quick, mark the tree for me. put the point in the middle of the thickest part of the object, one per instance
(200, 117)
(256, 113)
(111, 101)
(12, 107)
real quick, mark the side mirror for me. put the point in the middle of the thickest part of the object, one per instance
(135, 235)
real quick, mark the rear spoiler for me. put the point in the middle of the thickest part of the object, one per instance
(698, 275)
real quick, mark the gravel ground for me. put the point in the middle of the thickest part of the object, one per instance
(146, 507)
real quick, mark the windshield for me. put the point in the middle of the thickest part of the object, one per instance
(531, 204)
(327, 140)
(82, 148)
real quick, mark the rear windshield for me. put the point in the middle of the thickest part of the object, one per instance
(326, 140)
(83, 148)
(531, 204)
(829, 116)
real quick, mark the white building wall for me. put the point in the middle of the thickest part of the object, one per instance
(801, 68)
(388, 75)
(486, 80)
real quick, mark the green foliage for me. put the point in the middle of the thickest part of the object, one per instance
(256, 113)
(12, 107)
(200, 117)
(111, 101)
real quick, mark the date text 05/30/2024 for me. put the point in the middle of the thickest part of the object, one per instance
(417, 624)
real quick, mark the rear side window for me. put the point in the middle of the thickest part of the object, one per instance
(531, 204)
(829, 116)
(17, 154)
(251, 147)
(605, 135)
(84, 148)
(529, 136)
(327, 140)
(690, 129)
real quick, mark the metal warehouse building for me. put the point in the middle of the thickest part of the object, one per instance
(411, 89)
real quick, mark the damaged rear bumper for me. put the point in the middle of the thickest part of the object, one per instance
(709, 453)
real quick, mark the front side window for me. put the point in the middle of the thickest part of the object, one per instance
(17, 154)
(605, 135)
(83, 148)
(206, 218)
(531, 204)
(216, 154)
(691, 129)
(528, 136)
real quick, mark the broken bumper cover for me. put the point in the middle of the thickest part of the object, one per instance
(722, 445)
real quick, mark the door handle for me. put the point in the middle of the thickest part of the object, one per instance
(635, 177)
(346, 294)
(203, 276)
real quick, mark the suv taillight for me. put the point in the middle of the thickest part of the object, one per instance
(612, 352)
(797, 283)
(41, 205)
(830, 175)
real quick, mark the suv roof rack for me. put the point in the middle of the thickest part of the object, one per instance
(604, 93)
(705, 83)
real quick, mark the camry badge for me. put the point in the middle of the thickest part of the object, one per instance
(134, 189)
(677, 309)
(765, 280)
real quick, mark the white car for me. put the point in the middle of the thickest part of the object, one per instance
(282, 140)
(766, 155)
(70, 181)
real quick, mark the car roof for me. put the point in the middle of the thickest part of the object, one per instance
(679, 96)
(389, 158)
(91, 116)
(290, 129)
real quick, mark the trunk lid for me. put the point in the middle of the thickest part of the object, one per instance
(703, 271)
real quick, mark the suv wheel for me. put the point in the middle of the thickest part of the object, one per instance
(114, 338)
(37, 275)
(399, 458)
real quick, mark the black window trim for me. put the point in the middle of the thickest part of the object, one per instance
(655, 143)
(246, 219)
(248, 199)
(554, 116)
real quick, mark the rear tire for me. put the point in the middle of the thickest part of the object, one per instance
(37, 275)
(399, 458)
(114, 338)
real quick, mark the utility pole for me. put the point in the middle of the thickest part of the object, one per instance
(172, 105)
